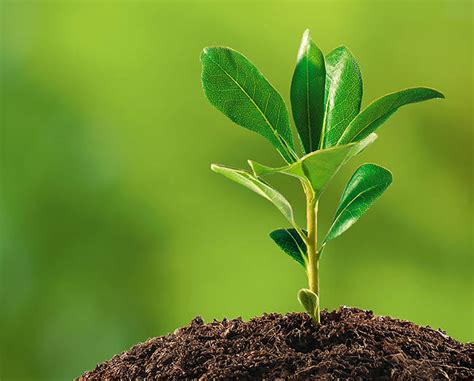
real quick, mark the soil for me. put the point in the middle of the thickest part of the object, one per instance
(349, 344)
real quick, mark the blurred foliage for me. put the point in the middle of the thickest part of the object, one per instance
(113, 227)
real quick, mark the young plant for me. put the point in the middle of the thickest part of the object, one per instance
(326, 95)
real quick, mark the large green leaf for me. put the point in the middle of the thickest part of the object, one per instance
(319, 167)
(307, 93)
(343, 94)
(366, 185)
(381, 109)
(291, 243)
(238, 89)
(260, 187)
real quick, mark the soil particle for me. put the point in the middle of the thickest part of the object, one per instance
(349, 344)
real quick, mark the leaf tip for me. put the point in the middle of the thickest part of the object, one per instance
(387, 177)
(385, 171)
(251, 164)
(433, 93)
(204, 52)
(343, 50)
(305, 43)
(369, 139)
(274, 234)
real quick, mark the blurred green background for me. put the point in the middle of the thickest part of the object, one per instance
(113, 227)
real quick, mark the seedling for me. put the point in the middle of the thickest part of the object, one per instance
(326, 95)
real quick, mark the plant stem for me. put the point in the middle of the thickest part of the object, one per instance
(312, 245)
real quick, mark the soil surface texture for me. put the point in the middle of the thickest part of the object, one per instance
(349, 344)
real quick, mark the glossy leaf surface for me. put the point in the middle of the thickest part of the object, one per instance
(291, 243)
(343, 94)
(238, 89)
(307, 93)
(381, 109)
(258, 186)
(319, 167)
(366, 185)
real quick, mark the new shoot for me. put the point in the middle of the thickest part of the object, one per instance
(326, 95)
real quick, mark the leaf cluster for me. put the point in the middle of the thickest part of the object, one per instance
(326, 97)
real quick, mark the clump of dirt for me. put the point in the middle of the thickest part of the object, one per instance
(348, 344)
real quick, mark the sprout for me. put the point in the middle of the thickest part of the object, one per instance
(326, 95)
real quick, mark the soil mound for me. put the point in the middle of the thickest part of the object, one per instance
(348, 344)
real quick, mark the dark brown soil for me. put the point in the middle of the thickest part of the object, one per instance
(349, 344)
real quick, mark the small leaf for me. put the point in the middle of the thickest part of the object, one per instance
(343, 94)
(366, 185)
(310, 301)
(291, 243)
(307, 93)
(319, 167)
(238, 89)
(381, 109)
(258, 186)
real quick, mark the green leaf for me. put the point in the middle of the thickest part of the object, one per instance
(258, 186)
(238, 89)
(381, 109)
(291, 243)
(319, 167)
(307, 93)
(343, 94)
(310, 301)
(366, 185)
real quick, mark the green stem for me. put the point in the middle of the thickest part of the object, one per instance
(312, 245)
